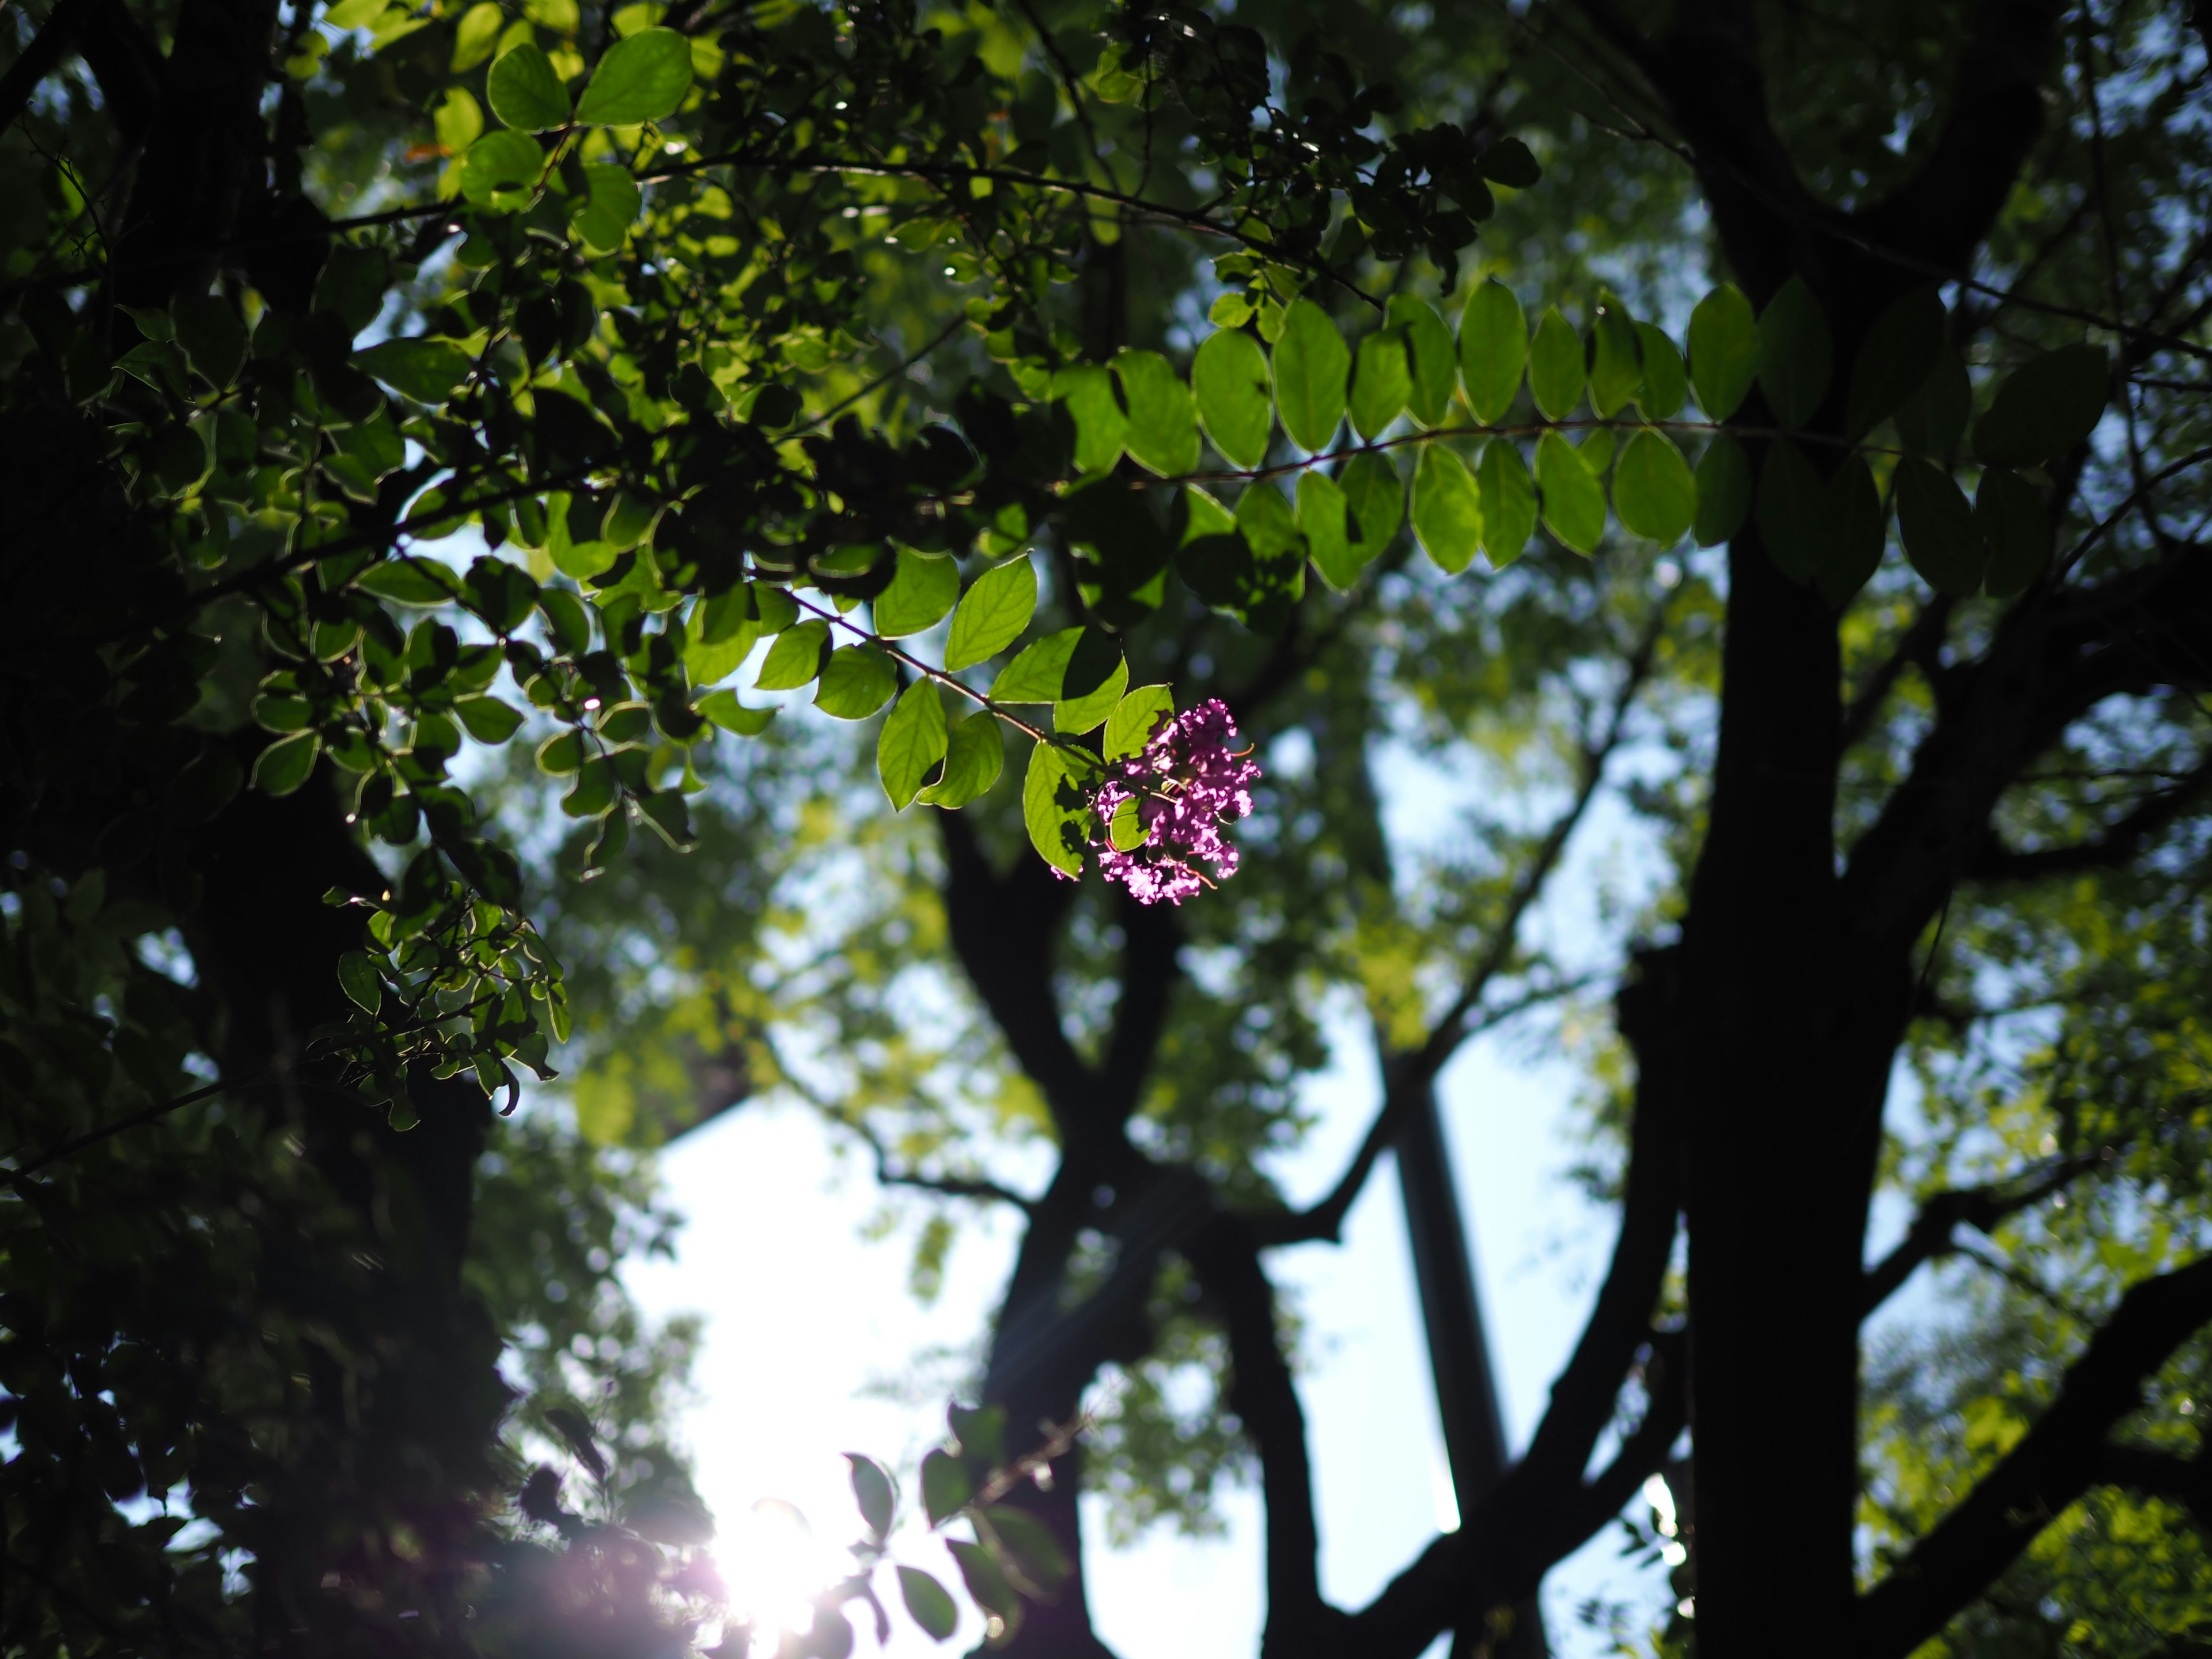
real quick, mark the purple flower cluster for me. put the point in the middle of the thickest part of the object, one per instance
(1187, 781)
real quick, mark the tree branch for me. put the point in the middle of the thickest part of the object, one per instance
(2059, 1458)
(48, 47)
(2121, 842)
(1941, 1214)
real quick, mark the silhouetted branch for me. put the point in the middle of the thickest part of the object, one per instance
(1941, 1214)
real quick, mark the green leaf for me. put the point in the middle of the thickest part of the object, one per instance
(992, 615)
(795, 657)
(561, 754)
(1724, 351)
(1796, 356)
(1102, 428)
(1134, 719)
(1311, 362)
(722, 636)
(1054, 825)
(476, 36)
(856, 681)
(1034, 1554)
(975, 755)
(501, 161)
(1616, 373)
(1723, 491)
(1851, 548)
(928, 1603)
(1376, 496)
(1574, 500)
(209, 329)
(985, 1579)
(643, 78)
(1666, 384)
(671, 819)
(1937, 527)
(459, 119)
(284, 765)
(357, 978)
(1230, 377)
(1556, 372)
(1447, 509)
(1898, 352)
(1037, 672)
(1653, 490)
(1509, 162)
(1322, 521)
(2009, 513)
(595, 791)
(1934, 418)
(726, 711)
(611, 206)
(1073, 716)
(425, 370)
(487, 718)
(1162, 423)
(1493, 349)
(2046, 407)
(1509, 502)
(912, 741)
(525, 92)
(922, 590)
(1382, 379)
(1430, 354)
(1792, 507)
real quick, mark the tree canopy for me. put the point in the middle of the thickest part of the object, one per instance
(454, 446)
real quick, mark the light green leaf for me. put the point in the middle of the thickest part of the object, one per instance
(525, 92)
(856, 681)
(1793, 506)
(1898, 351)
(425, 370)
(928, 1603)
(2010, 515)
(284, 765)
(998, 606)
(643, 78)
(1937, 527)
(476, 36)
(1574, 501)
(1230, 377)
(1616, 374)
(726, 711)
(1509, 502)
(1723, 491)
(922, 590)
(1101, 427)
(1162, 423)
(1268, 526)
(1073, 716)
(1447, 509)
(1323, 520)
(1135, 718)
(459, 119)
(1053, 823)
(1556, 370)
(1038, 669)
(1493, 349)
(1311, 362)
(1430, 354)
(1382, 379)
(912, 741)
(795, 657)
(1796, 356)
(1653, 490)
(1724, 351)
(358, 978)
(2045, 408)
(1666, 384)
(1376, 496)
(974, 756)
(499, 162)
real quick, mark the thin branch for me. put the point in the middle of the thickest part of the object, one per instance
(884, 378)
(17, 1178)
(1929, 1237)
(2118, 843)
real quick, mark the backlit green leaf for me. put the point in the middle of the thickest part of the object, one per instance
(1796, 356)
(1556, 371)
(992, 615)
(1493, 349)
(912, 741)
(284, 765)
(425, 370)
(795, 657)
(357, 978)
(1573, 499)
(1376, 496)
(1509, 502)
(1053, 815)
(1311, 361)
(487, 718)
(1666, 383)
(499, 161)
(1229, 378)
(643, 78)
(1134, 719)
(974, 753)
(1035, 673)
(1073, 716)
(1101, 426)
(928, 1603)
(525, 92)
(1724, 351)
(1162, 423)
(1382, 379)
(1653, 490)
(856, 681)
(726, 711)
(1431, 356)
(1447, 509)
(1934, 418)
(1324, 521)
(922, 590)
(1793, 507)
(1616, 373)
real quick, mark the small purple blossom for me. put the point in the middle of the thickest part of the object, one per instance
(1188, 782)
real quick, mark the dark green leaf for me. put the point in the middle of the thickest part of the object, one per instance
(1937, 527)
(1556, 370)
(425, 370)
(1899, 351)
(872, 1492)
(487, 718)
(213, 337)
(2009, 513)
(974, 756)
(1723, 491)
(1311, 361)
(2046, 407)
(1509, 502)
(1793, 505)
(1851, 548)
(1724, 351)
(1795, 354)
(1666, 383)
(1163, 432)
(922, 590)
(1509, 162)
(1493, 349)
(1934, 418)
(643, 78)
(357, 978)
(525, 92)
(1032, 1552)
(1573, 499)
(992, 615)
(1230, 377)
(1430, 356)
(856, 681)
(928, 1603)
(1447, 509)
(986, 1581)
(595, 791)
(671, 819)
(284, 765)
(501, 161)
(1653, 490)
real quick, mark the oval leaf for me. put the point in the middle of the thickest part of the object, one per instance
(425, 370)
(1793, 506)
(1052, 813)
(501, 161)
(1653, 490)
(357, 978)
(1311, 362)
(928, 1603)
(1666, 384)
(795, 657)
(1723, 491)
(2009, 513)
(1795, 353)
(1447, 509)
(285, 765)
(1163, 428)
(1616, 373)
(1382, 379)
(1324, 519)
(992, 615)
(1376, 496)
(1509, 503)
(1937, 526)
(1850, 548)
(1493, 349)
(921, 591)
(1102, 428)
(525, 92)
(856, 681)
(1574, 500)
(1230, 377)
(1724, 351)
(2046, 407)
(974, 756)
(643, 78)
(1430, 354)
(1556, 372)
(1899, 351)
(912, 741)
